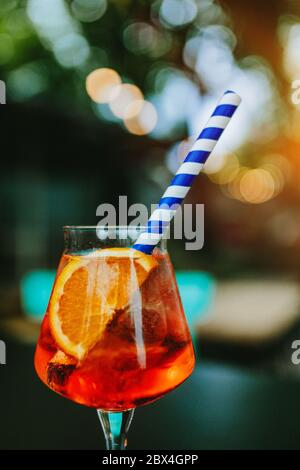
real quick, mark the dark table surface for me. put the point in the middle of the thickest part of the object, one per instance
(219, 407)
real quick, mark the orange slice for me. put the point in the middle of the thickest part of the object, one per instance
(89, 290)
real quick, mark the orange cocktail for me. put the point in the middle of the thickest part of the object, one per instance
(114, 336)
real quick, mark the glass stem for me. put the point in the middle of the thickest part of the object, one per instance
(115, 426)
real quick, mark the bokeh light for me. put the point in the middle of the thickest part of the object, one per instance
(176, 99)
(88, 10)
(72, 50)
(59, 31)
(27, 81)
(122, 96)
(214, 163)
(289, 34)
(224, 169)
(279, 168)
(255, 86)
(290, 220)
(257, 186)
(210, 12)
(143, 38)
(139, 37)
(51, 19)
(101, 84)
(175, 155)
(104, 112)
(209, 53)
(140, 117)
(176, 13)
(293, 126)
(17, 24)
(7, 5)
(252, 186)
(277, 176)
(7, 48)
(182, 88)
(232, 189)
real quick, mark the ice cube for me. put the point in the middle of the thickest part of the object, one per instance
(59, 369)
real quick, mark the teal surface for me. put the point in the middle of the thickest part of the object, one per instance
(36, 288)
(196, 290)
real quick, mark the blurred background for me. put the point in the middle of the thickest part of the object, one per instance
(104, 98)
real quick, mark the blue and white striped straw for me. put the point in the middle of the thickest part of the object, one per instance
(187, 172)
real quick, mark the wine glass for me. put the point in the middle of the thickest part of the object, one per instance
(114, 336)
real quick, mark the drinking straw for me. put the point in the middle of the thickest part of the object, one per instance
(193, 163)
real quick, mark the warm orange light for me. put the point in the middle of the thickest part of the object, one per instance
(140, 117)
(277, 175)
(123, 96)
(228, 170)
(101, 84)
(280, 169)
(257, 186)
(293, 126)
(234, 186)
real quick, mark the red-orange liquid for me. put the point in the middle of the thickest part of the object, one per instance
(134, 363)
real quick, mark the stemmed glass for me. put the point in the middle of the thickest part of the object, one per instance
(114, 336)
